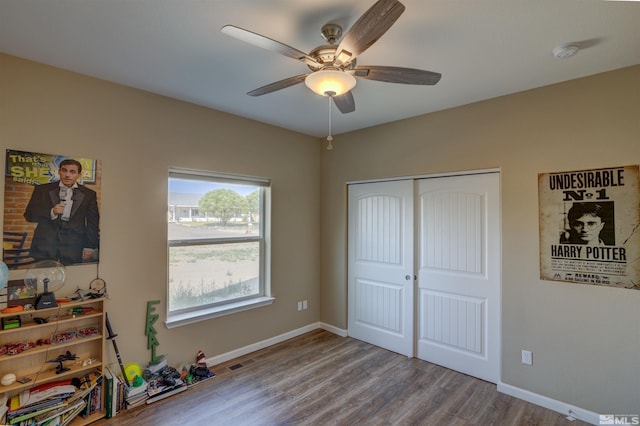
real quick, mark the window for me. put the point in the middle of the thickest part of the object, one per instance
(217, 234)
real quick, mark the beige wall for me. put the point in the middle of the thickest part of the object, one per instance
(585, 339)
(137, 136)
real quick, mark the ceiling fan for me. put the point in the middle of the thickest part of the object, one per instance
(333, 65)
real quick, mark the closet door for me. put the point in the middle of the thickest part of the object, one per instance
(459, 274)
(380, 264)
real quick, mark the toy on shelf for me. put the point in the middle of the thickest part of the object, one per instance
(68, 356)
(63, 337)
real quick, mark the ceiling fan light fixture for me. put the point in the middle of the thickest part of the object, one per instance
(328, 81)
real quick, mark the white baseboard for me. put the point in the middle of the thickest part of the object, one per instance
(552, 404)
(218, 359)
(331, 329)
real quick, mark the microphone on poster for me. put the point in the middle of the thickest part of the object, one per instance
(64, 198)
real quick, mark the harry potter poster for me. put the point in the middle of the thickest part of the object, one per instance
(589, 226)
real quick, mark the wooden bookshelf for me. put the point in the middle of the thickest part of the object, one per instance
(38, 330)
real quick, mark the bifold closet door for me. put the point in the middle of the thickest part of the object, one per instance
(458, 300)
(380, 264)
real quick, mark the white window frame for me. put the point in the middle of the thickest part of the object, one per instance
(264, 298)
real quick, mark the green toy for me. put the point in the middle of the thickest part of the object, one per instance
(150, 332)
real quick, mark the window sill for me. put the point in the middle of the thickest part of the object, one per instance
(205, 314)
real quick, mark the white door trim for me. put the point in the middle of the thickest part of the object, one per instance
(430, 175)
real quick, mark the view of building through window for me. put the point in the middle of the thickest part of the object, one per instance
(216, 241)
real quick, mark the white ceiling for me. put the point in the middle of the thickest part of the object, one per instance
(483, 48)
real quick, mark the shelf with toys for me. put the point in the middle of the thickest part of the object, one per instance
(52, 346)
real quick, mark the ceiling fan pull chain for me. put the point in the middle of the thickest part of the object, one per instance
(329, 138)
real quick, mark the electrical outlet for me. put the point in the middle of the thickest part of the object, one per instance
(304, 304)
(527, 357)
(299, 306)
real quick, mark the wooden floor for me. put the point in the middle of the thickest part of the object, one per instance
(323, 379)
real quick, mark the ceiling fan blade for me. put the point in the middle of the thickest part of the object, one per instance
(278, 85)
(345, 102)
(368, 29)
(396, 75)
(267, 43)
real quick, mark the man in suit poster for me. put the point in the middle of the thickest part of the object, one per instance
(62, 207)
